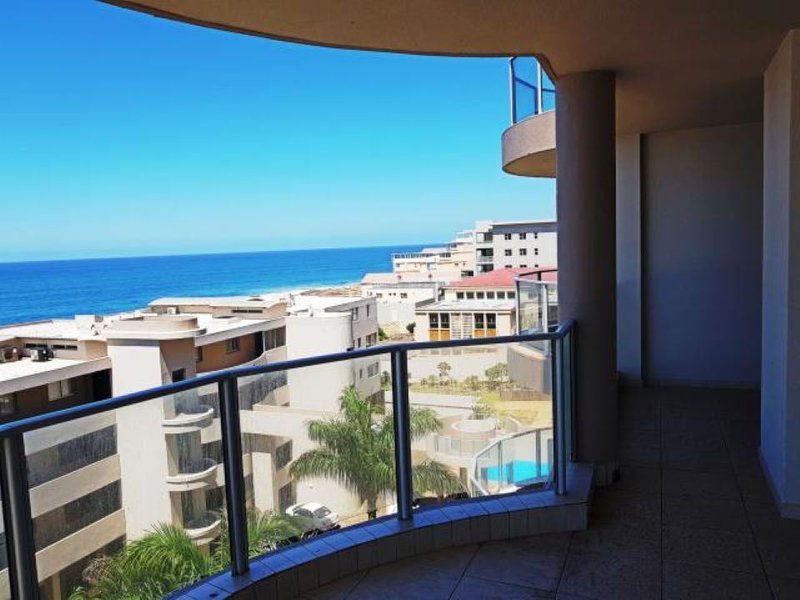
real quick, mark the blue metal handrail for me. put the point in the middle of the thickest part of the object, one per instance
(17, 514)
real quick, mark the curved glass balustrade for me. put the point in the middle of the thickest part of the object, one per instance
(532, 91)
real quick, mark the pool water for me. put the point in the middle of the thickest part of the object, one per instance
(518, 471)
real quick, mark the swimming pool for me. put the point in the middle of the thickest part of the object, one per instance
(518, 472)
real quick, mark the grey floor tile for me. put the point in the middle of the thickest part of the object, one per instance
(705, 513)
(451, 561)
(689, 404)
(599, 575)
(683, 581)
(710, 548)
(638, 480)
(740, 405)
(754, 488)
(610, 505)
(701, 483)
(784, 588)
(535, 562)
(624, 540)
(401, 582)
(780, 552)
(473, 588)
(337, 590)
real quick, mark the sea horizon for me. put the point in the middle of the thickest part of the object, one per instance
(34, 290)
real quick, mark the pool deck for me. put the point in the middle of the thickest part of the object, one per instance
(691, 517)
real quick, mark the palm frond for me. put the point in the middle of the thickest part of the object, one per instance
(434, 477)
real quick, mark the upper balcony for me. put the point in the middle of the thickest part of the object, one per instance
(529, 145)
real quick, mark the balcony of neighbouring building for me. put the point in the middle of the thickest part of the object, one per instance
(529, 144)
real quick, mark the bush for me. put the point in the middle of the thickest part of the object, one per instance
(410, 327)
(382, 334)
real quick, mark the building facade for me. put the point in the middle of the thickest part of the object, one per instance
(515, 244)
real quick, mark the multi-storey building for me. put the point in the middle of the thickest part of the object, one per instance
(455, 259)
(114, 476)
(515, 244)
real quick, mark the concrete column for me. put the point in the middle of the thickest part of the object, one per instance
(780, 355)
(586, 204)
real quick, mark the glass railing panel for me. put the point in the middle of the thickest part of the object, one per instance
(128, 501)
(490, 414)
(548, 93)
(318, 450)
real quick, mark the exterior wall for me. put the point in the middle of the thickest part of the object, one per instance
(505, 324)
(216, 357)
(702, 268)
(538, 236)
(34, 401)
(629, 259)
(780, 361)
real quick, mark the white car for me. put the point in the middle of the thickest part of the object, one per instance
(313, 516)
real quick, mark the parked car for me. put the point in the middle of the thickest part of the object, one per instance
(313, 517)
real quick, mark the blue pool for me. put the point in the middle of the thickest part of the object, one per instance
(518, 471)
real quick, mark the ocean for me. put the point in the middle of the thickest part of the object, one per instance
(62, 288)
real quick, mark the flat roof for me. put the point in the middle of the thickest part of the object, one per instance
(61, 329)
(469, 306)
(25, 373)
(255, 301)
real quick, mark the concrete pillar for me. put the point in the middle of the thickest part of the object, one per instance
(780, 355)
(586, 205)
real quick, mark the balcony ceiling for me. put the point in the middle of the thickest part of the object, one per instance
(679, 63)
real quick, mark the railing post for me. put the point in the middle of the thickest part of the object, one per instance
(538, 87)
(401, 413)
(234, 474)
(559, 416)
(18, 521)
(512, 92)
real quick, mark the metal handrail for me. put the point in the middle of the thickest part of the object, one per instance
(17, 513)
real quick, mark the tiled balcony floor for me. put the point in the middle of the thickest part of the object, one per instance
(691, 517)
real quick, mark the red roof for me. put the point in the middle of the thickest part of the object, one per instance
(504, 278)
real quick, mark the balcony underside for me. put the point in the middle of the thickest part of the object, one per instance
(529, 147)
(650, 47)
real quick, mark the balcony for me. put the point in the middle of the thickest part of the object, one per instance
(529, 144)
(188, 417)
(194, 475)
(205, 528)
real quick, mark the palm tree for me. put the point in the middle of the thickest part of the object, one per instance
(358, 452)
(166, 558)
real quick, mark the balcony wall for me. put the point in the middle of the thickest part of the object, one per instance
(529, 146)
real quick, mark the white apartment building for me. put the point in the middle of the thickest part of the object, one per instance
(451, 261)
(515, 244)
(398, 301)
(100, 481)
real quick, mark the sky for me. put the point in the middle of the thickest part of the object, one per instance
(123, 135)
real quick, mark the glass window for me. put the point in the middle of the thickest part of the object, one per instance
(490, 295)
(501, 295)
(479, 321)
(479, 295)
(511, 295)
(60, 389)
(459, 295)
(491, 321)
(507, 236)
(522, 236)
(536, 236)
(178, 375)
(275, 338)
(8, 404)
(355, 314)
(508, 251)
(523, 251)
(445, 321)
(536, 251)
(198, 354)
(470, 295)
(367, 307)
(232, 345)
(433, 320)
(283, 455)
(523, 266)
(286, 496)
(403, 295)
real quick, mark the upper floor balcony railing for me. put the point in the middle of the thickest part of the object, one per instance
(395, 422)
(532, 91)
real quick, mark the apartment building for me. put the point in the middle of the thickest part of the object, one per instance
(100, 481)
(515, 244)
(397, 300)
(453, 260)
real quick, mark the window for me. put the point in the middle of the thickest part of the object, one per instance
(232, 345)
(522, 236)
(403, 295)
(523, 252)
(479, 295)
(536, 251)
(283, 455)
(8, 404)
(433, 321)
(509, 267)
(178, 375)
(501, 295)
(368, 307)
(286, 496)
(355, 314)
(508, 252)
(358, 343)
(511, 295)
(536, 236)
(536, 265)
(523, 266)
(479, 321)
(198, 354)
(373, 369)
(445, 321)
(459, 295)
(470, 295)
(60, 389)
(507, 236)
(274, 338)
(256, 311)
(64, 347)
(490, 295)
(491, 321)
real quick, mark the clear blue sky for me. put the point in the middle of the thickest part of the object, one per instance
(122, 134)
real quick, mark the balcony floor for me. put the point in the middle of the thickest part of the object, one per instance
(691, 517)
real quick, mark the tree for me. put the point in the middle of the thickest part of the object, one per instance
(410, 328)
(497, 374)
(357, 451)
(473, 382)
(166, 559)
(382, 334)
(444, 369)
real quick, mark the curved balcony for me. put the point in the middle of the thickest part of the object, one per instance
(195, 476)
(205, 528)
(513, 462)
(188, 419)
(529, 145)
